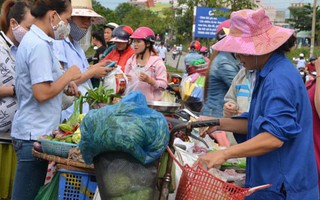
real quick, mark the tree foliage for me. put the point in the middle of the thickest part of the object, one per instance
(301, 18)
(149, 19)
(123, 10)
(134, 16)
(183, 24)
(105, 12)
(233, 4)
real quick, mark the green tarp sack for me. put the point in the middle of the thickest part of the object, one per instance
(128, 126)
(50, 190)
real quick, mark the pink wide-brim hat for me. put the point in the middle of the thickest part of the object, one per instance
(83, 8)
(252, 33)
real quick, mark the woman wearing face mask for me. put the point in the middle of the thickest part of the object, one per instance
(39, 85)
(13, 28)
(145, 70)
(15, 21)
(69, 51)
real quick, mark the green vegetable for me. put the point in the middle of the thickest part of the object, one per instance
(73, 120)
(117, 184)
(100, 95)
(80, 117)
(240, 162)
(76, 137)
(143, 194)
(65, 127)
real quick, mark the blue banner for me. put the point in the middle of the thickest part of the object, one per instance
(207, 22)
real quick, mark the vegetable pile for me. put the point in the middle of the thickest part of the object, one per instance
(66, 133)
(127, 180)
(101, 95)
(69, 131)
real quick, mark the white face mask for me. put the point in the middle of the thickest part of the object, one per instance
(62, 30)
(19, 32)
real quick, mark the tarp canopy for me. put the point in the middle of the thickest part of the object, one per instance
(304, 34)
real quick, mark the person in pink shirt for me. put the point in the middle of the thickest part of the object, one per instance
(313, 88)
(145, 70)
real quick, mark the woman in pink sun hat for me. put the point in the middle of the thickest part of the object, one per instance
(279, 146)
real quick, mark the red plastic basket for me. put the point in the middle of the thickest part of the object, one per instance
(197, 183)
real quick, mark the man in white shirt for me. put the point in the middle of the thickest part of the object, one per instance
(162, 51)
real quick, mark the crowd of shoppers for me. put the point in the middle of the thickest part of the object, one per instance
(42, 58)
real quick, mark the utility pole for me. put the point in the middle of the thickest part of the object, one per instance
(313, 30)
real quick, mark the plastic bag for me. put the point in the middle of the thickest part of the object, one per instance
(128, 126)
(192, 88)
(50, 190)
(132, 85)
(120, 176)
(116, 80)
(167, 96)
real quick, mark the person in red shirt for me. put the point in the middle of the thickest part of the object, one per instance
(123, 51)
(311, 67)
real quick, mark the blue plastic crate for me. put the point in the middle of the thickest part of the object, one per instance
(74, 185)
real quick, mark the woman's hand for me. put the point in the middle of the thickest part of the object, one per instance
(212, 159)
(73, 72)
(146, 78)
(72, 89)
(230, 109)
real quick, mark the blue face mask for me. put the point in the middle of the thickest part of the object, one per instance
(76, 32)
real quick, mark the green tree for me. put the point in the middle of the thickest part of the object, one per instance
(184, 23)
(107, 13)
(122, 11)
(301, 18)
(233, 4)
(137, 17)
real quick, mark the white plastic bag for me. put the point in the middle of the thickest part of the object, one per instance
(97, 195)
(116, 80)
(167, 96)
(131, 86)
(184, 157)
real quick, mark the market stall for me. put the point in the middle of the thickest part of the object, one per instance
(72, 180)
(125, 145)
(7, 165)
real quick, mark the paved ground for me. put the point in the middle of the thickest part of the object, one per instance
(177, 63)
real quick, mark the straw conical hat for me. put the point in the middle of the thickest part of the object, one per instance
(83, 8)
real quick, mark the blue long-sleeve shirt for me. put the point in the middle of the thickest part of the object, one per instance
(280, 106)
(223, 69)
